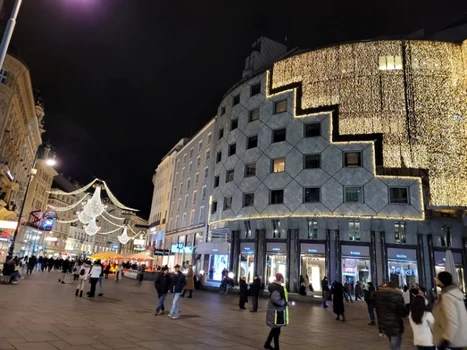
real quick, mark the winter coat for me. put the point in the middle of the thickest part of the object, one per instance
(255, 288)
(190, 282)
(338, 292)
(450, 318)
(422, 335)
(325, 285)
(95, 271)
(390, 308)
(66, 265)
(369, 294)
(162, 283)
(243, 292)
(86, 269)
(179, 282)
(32, 262)
(277, 302)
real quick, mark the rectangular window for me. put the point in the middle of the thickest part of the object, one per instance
(206, 173)
(352, 159)
(278, 165)
(312, 229)
(213, 207)
(400, 232)
(194, 196)
(390, 63)
(183, 173)
(191, 153)
(179, 204)
(190, 168)
(201, 215)
(198, 162)
(280, 107)
(446, 236)
(177, 221)
(203, 193)
(222, 110)
(312, 130)
(254, 115)
(232, 149)
(208, 155)
(192, 217)
(250, 170)
(252, 142)
(188, 184)
(277, 196)
(354, 230)
(196, 178)
(184, 220)
(216, 181)
(311, 195)
(312, 161)
(276, 228)
(221, 133)
(247, 224)
(233, 124)
(186, 201)
(248, 199)
(255, 89)
(200, 145)
(181, 188)
(235, 100)
(209, 138)
(353, 194)
(229, 175)
(399, 195)
(227, 203)
(219, 157)
(175, 190)
(279, 135)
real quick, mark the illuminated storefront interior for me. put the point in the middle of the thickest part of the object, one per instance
(402, 266)
(440, 262)
(276, 261)
(313, 263)
(356, 264)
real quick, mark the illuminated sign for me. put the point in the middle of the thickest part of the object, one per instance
(312, 250)
(354, 253)
(215, 250)
(139, 242)
(401, 256)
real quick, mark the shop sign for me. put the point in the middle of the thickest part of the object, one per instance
(247, 248)
(276, 247)
(309, 248)
(402, 254)
(115, 246)
(180, 248)
(356, 251)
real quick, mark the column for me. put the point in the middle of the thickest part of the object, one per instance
(260, 253)
(420, 260)
(431, 260)
(374, 272)
(293, 261)
(338, 261)
(234, 254)
(328, 254)
(464, 259)
(384, 256)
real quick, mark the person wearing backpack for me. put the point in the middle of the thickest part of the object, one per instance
(83, 271)
(421, 321)
(277, 314)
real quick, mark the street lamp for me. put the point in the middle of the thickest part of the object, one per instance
(49, 161)
(9, 32)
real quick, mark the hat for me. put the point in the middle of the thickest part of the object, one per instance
(279, 277)
(445, 278)
(177, 266)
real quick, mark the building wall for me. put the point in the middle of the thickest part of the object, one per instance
(61, 230)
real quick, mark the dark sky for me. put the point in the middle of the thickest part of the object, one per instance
(124, 80)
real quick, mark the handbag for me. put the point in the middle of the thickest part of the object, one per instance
(82, 272)
(280, 317)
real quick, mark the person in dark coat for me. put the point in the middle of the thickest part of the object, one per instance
(277, 305)
(65, 268)
(107, 270)
(31, 264)
(255, 289)
(368, 295)
(243, 293)
(45, 263)
(163, 283)
(325, 289)
(338, 292)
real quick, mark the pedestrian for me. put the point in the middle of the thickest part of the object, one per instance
(11, 269)
(449, 330)
(39, 263)
(348, 294)
(23, 263)
(190, 282)
(428, 303)
(76, 269)
(45, 261)
(65, 268)
(358, 291)
(243, 293)
(101, 280)
(31, 264)
(141, 271)
(338, 293)
(178, 283)
(107, 270)
(51, 264)
(83, 275)
(368, 295)
(390, 309)
(407, 299)
(163, 284)
(255, 289)
(94, 274)
(277, 315)
(118, 272)
(421, 321)
(325, 289)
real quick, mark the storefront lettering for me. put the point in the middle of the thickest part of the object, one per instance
(247, 248)
(312, 250)
(401, 256)
(215, 250)
(354, 253)
(276, 249)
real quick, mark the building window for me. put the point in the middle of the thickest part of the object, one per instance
(192, 217)
(190, 168)
(446, 239)
(255, 89)
(191, 153)
(312, 161)
(219, 156)
(206, 173)
(232, 149)
(186, 202)
(312, 229)
(196, 178)
(201, 214)
(248, 199)
(354, 230)
(353, 194)
(254, 115)
(3, 76)
(390, 62)
(235, 100)
(200, 145)
(177, 220)
(183, 172)
(352, 159)
(184, 220)
(280, 107)
(400, 232)
(188, 184)
(279, 135)
(276, 228)
(179, 204)
(213, 207)
(278, 165)
(312, 130)
(208, 155)
(311, 195)
(250, 170)
(181, 188)
(399, 195)
(221, 133)
(227, 203)
(277, 196)
(198, 162)
(209, 138)
(252, 142)
(216, 181)
(247, 229)
(233, 124)
(175, 190)
(194, 196)
(229, 175)
(203, 193)
(222, 110)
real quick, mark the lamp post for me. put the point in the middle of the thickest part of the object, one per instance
(9, 31)
(33, 172)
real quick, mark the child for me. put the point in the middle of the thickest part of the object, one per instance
(422, 322)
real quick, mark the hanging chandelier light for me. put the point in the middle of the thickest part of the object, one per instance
(96, 207)
(84, 217)
(123, 238)
(91, 229)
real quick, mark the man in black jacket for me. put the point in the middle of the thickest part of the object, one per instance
(179, 282)
(255, 288)
(162, 283)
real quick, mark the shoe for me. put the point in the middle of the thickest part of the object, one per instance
(59, 281)
(100, 294)
(372, 324)
(63, 282)
(190, 297)
(76, 293)
(182, 296)
(170, 315)
(268, 347)
(243, 308)
(338, 318)
(161, 312)
(81, 294)
(14, 282)
(325, 306)
(174, 317)
(156, 313)
(381, 334)
(343, 320)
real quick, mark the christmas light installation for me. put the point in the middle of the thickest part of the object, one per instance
(123, 238)
(91, 229)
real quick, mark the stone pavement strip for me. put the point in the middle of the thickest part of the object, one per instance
(40, 314)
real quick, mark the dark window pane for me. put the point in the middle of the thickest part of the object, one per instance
(236, 100)
(214, 207)
(249, 200)
(229, 175)
(279, 135)
(222, 110)
(312, 161)
(216, 181)
(353, 159)
(250, 170)
(254, 115)
(277, 196)
(280, 107)
(252, 142)
(221, 133)
(227, 202)
(232, 149)
(234, 124)
(256, 89)
(218, 157)
(312, 130)
(311, 195)
(354, 195)
(398, 195)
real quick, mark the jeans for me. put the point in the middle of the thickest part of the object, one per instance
(14, 276)
(371, 312)
(395, 342)
(325, 297)
(38, 266)
(161, 303)
(101, 285)
(273, 334)
(255, 302)
(174, 309)
(92, 292)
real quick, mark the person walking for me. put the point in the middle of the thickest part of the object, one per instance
(338, 293)
(190, 283)
(163, 284)
(83, 275)
(449, 330)
(277, 314)
(390, 309)
(76, 269)
(141, 271)
(325, 289)
(255, 289)
(94, 274)
(406, 296)
(421, 321)
(179, 281)
(368, 296)
(243, 293)
(107, 270)
(31, 264)
(65, 268)
(358, 291)
(45, 261)
(118, 272)
(23, 264)
(101, 280)
(39, 263)
(348, 294)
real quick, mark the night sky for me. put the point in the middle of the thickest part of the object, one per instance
(124, 80)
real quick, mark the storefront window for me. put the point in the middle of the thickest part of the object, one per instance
(276, 261)
(354, 230)
(312, 229)
(217, 264)
(276, 228)
(247, 266)
(440, 262)
(356, 264)
(399, 232)
(313, 263)
(402, 266)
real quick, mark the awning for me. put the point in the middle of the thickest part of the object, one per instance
(213, 248)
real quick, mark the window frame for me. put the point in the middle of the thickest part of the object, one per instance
(246, 170)
(217, 181)
(220, 133)
(310, 155)
(234, 124)
(305, 134)
(406, 188)
(219, 157)
(362, 194)
(229, 172)
(248, 142)
(245, 201)
(312, 188)
(360, 158)
(277, 103)
(273, 165)
(274, 135)
(271, 196)
(252, 88)
(226, 200)
(232, 149)
(250, 115)
(235, 100)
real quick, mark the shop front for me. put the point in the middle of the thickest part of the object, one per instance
(246, 266)
(440, 265)
(313, 263)
(30, 243)
(276, 260)
(216, 259)
(7, 229)
(402, 266)
(355, 264)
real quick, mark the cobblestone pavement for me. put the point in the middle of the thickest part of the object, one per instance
(41, 314)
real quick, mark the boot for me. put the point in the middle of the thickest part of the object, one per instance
(81, 294)
(76, 293)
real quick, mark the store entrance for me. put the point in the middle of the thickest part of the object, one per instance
(246, 267)
(404, 273)
(275, 263)
(354, 270)
(314, 267)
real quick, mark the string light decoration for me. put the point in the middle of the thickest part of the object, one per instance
(115, 200)
(109, 232)
(68, 207)
(95, 207)
(79, 191)
(91, 229)
(123, 238)
(83, 217)
(113, 216)
(112, 223)
(67, 221)
(408, 91)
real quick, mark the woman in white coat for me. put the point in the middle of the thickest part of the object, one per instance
(94, 273)
(82, 277)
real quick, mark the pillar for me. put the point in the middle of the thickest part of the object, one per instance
(234, 254)
(420, 260)
(464, 259)
(293, 261)
(374, 271)
(384, 257)
(328, 254)
(431, 260)
(260, 253)
(338, 261)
